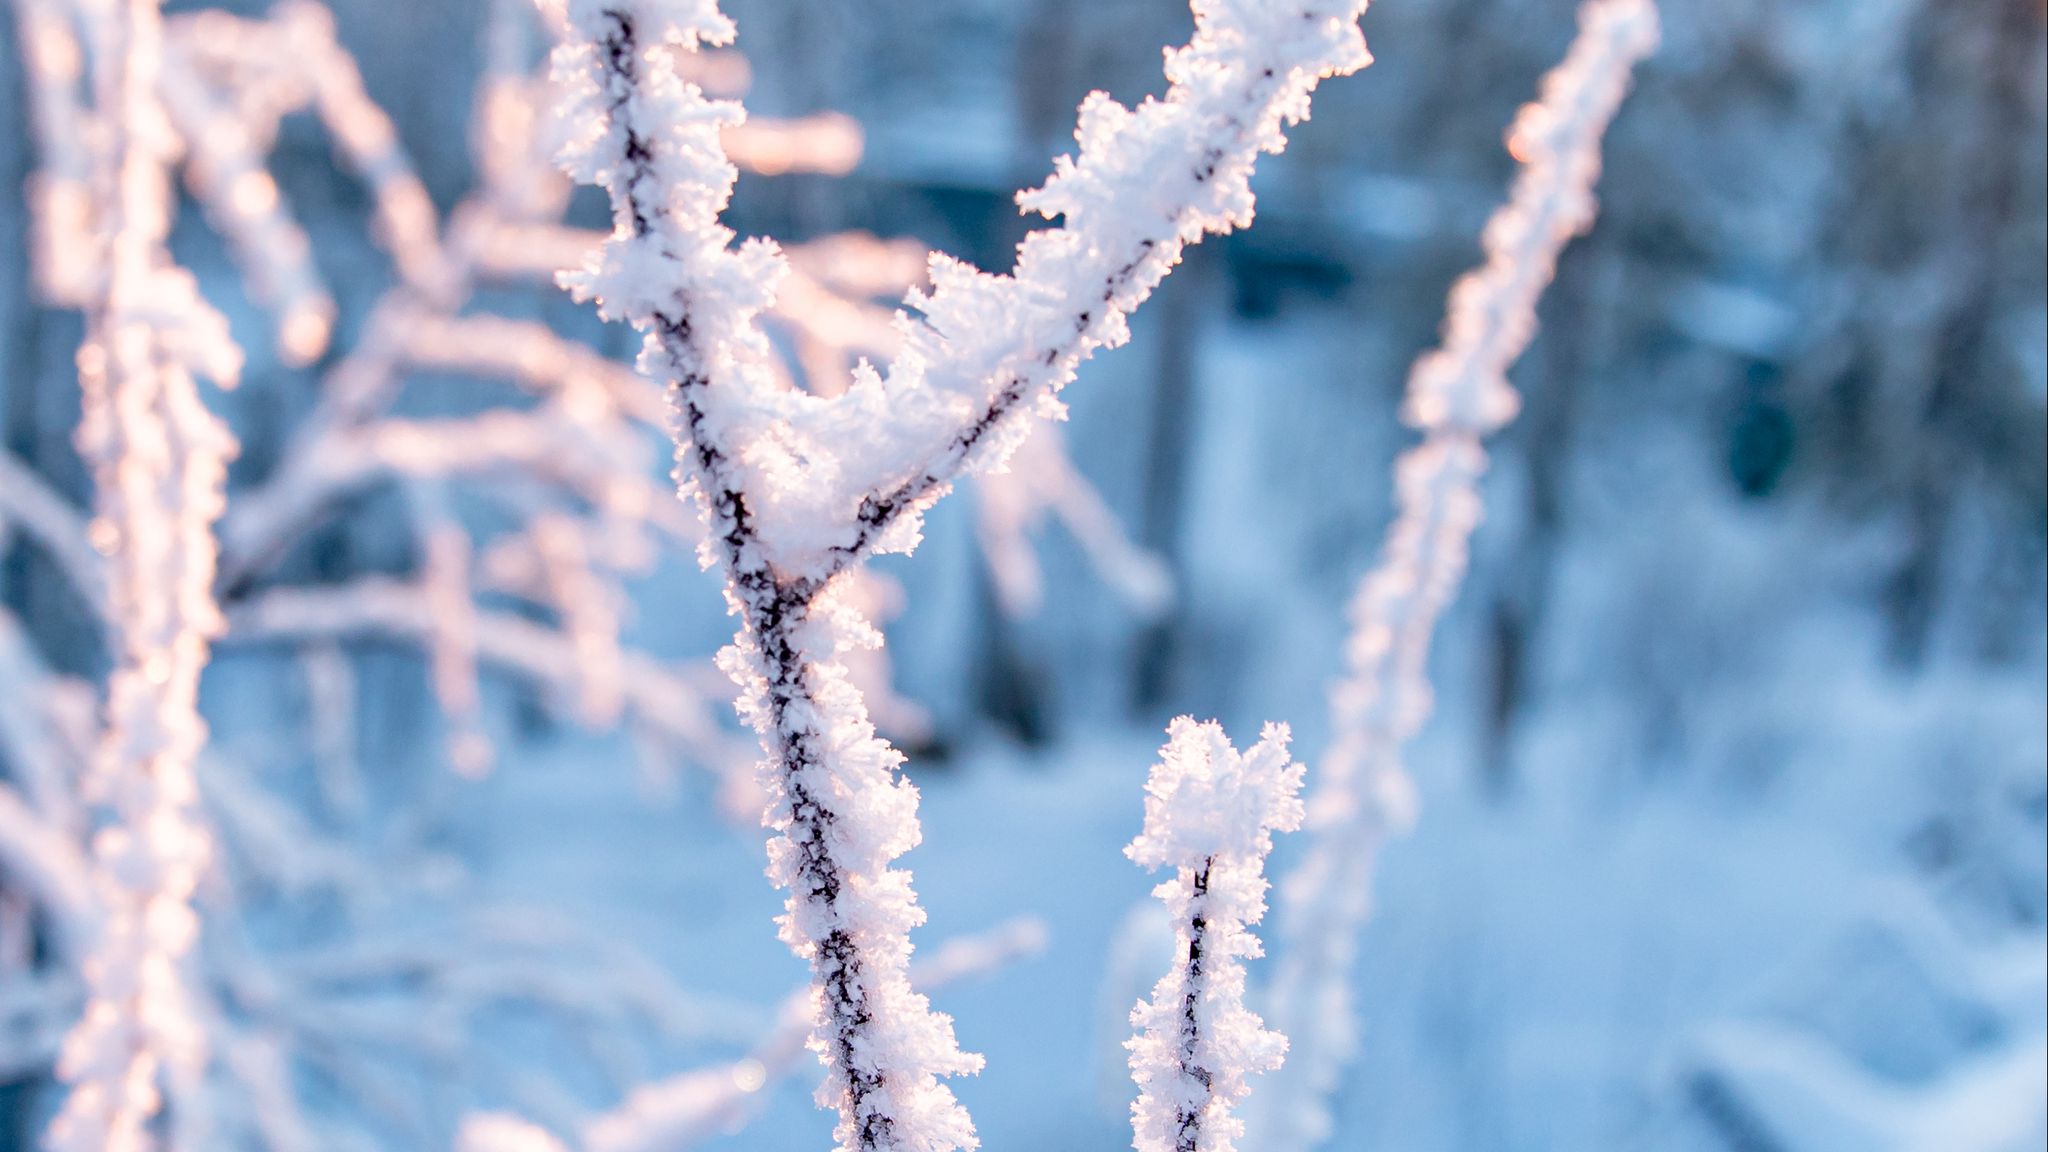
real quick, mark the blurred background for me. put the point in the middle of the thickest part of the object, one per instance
(1735, 802)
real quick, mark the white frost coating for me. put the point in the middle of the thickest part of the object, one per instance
(1146, 183)
(1456, 395)
(224, 168)
(406, 224)
(289, 1019)
(654, 144)
(823, 306)
(788, 510)
(159, 463)
(1491, 315)
(587, 451)
(828, 302)
(1210, 815)
(60, 191)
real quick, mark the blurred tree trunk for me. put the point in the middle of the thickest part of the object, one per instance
(1184, 303)
(1974, 67)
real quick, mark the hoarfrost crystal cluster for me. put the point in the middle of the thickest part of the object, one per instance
(789, 512)
(1210, 815)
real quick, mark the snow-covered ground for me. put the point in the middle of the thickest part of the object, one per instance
(1538, 976)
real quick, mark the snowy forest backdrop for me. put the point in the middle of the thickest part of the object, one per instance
(1735, 803)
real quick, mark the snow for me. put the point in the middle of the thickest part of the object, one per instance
(788, 509)
(1210, 815)
(1532, 948)
(1708, 852)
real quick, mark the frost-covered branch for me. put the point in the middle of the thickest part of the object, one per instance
(1457, 394)
(546, 444)
(406, 223)
(654, 144)
(824, 306)
(225, 169)
(589, 451)
(1146, 183)
(230, 81)
(575, 472)
(789, 509)
(60, 192)
(387, 993)
(580, 464)
(656, 698)
(159, 463)
(1210, 815)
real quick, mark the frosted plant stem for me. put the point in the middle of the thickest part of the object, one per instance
(885, 1090)
(158, 460)
(1210, 815)
(1457, 395)
(60, 192)
(790, 510)
(225, 171)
